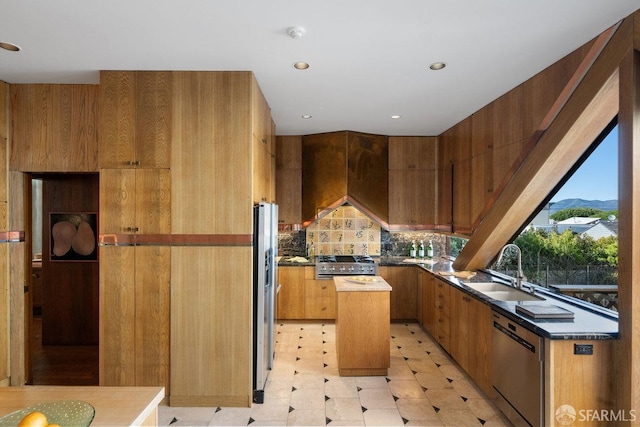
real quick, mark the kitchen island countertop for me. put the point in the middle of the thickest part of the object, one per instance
(114, 406)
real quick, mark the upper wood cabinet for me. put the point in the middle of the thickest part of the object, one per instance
(54, 128)
(135, 201)
(412, 182)
(289, 179)
(135, 119)
(264, 152)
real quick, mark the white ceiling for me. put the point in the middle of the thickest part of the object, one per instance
(369, 58)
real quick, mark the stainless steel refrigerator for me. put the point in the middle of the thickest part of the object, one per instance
(265, 283)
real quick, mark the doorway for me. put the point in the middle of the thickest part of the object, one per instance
(64, 311)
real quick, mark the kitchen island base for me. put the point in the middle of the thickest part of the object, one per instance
(363, 327)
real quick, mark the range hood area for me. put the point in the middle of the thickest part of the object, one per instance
(345, 167)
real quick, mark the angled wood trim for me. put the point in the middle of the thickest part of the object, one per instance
(591, 107)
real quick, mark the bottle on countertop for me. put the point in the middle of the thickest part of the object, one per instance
(430, 249)
(412, 250)
(312, 251)
(421, 249)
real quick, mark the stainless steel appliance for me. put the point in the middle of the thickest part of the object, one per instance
(328, 266)
(518, 372)
(265, 279)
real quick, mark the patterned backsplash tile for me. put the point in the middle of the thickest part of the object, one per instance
(345, 231)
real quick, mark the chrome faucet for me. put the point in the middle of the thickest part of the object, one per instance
(519, 274)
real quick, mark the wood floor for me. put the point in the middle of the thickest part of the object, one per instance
(62, 365)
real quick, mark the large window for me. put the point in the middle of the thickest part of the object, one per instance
(571, 246)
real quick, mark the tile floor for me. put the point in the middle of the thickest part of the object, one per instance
(423, 387)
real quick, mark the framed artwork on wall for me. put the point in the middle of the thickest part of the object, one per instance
(73, 236)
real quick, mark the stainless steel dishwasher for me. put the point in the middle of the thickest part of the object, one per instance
(518, 372)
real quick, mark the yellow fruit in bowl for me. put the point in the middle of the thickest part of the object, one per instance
(34, 419)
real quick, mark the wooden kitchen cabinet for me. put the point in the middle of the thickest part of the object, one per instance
(442, 303)
(291, 296)
(412, 182)
(404, 291)
(320, 297)
(54, 127)
(263, 149)
(135, 119)
(428, 285)
(135, 325)
(135, 201)
(459, 327)
(289, 179)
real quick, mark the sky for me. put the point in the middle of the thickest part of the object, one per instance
(597, 178)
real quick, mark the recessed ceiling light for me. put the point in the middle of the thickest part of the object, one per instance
(437, 66)
(300, 65)
(306, 116)
(396, 116)
(9, 46)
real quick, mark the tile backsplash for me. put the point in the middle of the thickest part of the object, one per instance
(345, 231)
(348, 231)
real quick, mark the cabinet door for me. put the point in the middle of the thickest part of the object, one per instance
(320, 299)
(117, 201)
(291, 297)
(135, 119)
(134, 322)
(135, 200)
(459, 327)
(152, 321)
(427, 282)
(117, 316)
(404, 292)
(480, 345)
(442, 326)
(153, 201)
(412, 197)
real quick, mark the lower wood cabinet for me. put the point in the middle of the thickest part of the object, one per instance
(427, 300)
(442, 303)
(301, 296)
(291, 296)
(471, 337)
(134, 321)
(404, 291)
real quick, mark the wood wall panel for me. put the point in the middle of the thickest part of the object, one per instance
(289, 152)
(5, 349)
(324, 171)
(590, 109)
(153, 201)
(54, 128)
(211, 165)
(367, 172)
(211, 339)
(18, 316)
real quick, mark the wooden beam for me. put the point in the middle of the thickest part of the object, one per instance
(592, 106)
(627, 350)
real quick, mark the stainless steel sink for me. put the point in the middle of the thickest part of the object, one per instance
(502, 292)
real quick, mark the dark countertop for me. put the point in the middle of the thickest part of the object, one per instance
(590, 322)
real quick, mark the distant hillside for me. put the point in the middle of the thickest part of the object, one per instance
(603, 205)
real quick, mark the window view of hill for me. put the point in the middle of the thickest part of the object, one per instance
(571, 246)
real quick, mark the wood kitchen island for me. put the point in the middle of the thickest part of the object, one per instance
(362, 325)
(114, 406)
